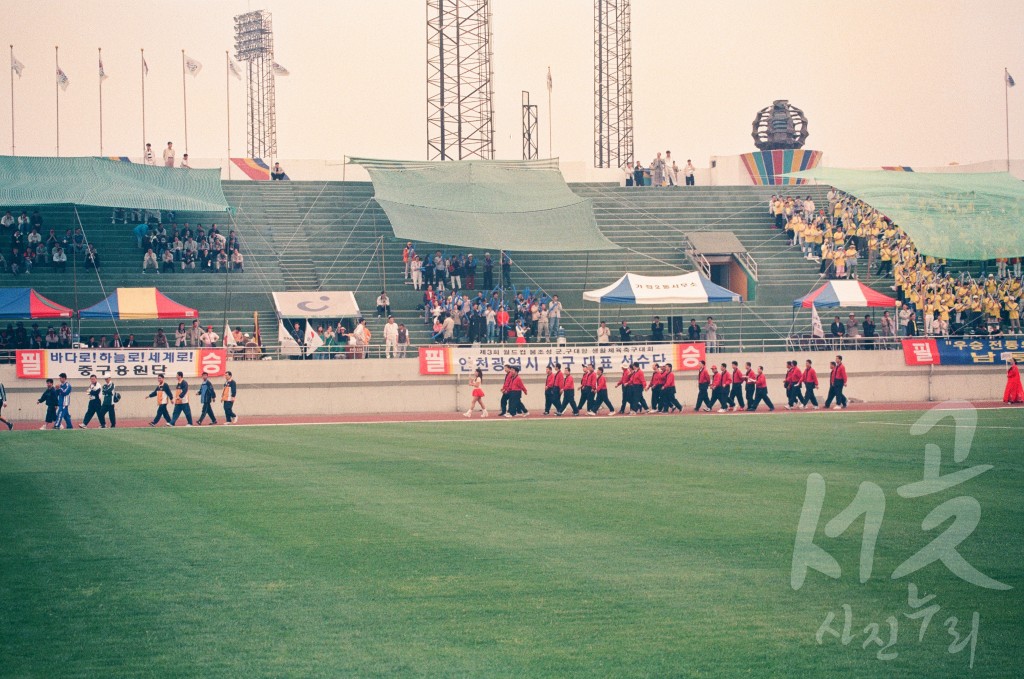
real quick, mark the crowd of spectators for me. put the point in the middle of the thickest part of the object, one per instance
(31, 247)
(188, 249)
(849, 238)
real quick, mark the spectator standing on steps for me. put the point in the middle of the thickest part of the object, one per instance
(169, 155)
(688, 172)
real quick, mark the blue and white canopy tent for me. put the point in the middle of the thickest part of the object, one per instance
(666, 291)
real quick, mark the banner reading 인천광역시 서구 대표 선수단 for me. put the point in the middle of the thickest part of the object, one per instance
(458, 360)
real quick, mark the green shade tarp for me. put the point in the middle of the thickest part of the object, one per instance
(969, 216)
(27, 181)
(516, 205)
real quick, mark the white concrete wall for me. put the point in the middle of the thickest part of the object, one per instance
(381, 386)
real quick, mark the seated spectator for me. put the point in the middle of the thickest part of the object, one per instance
(52, 339)
(103, 343)
(130, 342)
(92, 258)
(92, 342)
(160, 339)
(65, 336)
(149, 261)
(222, 261)
(383, 305)
(237, 261)
(277, 174)
(167, 260)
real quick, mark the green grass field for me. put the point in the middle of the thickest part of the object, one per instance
(624, 547)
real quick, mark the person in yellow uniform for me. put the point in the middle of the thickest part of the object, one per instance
(1012, 306)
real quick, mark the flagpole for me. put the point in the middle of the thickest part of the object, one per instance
(227, 91)
(99, 52)
(1006, 104)
(551, 118)
(12, 100)
(142, 78)
(56, 87)
(184, 97)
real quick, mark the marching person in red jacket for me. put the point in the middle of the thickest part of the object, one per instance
(751, 377)
(601, 394)
(506, 392)
(552, 388)
(703, 383)
(760, 391)
(587, 387)
(794, 378)
(738, 380)
(716, 389)
(515, 391)
(810, 384)
(668, 402)
(638, 382)
(568, 388)
(624, 383)
(726, 392)
(657, 379)
(836, 383)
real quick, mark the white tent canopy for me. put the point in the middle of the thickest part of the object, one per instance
(691, 288)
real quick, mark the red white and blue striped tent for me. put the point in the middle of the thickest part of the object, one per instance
(844, 294)
(27, 303)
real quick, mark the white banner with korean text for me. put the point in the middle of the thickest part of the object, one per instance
(490, 358)
(120, 363)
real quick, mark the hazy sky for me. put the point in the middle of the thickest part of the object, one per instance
(882, 82)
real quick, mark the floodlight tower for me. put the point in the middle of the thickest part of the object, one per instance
(613, 84)
(530, 150)
(254, 45)
(459, 80)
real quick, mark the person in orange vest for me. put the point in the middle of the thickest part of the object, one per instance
(657, 380)
(587, 382)
(703, 382)
(668, 402)
(568, 393)
(552, 388)
(760, 391)
(738, 380)
(836, 384)
(601, 394)
(810, 384)
(794, 378)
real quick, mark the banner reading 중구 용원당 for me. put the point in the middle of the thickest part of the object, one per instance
(457, 360)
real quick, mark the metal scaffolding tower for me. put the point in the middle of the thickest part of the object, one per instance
(459, 80)
(530, 150)
(613, 84)
(254, 45)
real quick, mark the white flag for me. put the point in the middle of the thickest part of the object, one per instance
(313, 341)
(279, 69)
(62, 79)
(192, 66)
(229, 338)
(103, 73)
(549, 79)
(235, 71)
(16, 65)
(816, 329)
(289, 347)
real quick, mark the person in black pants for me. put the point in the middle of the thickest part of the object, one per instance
(751, 377)
(163, 396)
(703, 383)
(227, 398)
(181, 405)
(49, 397)
(568, 393)
(107, 409)
(95, 405)
(552, 388)
(587, 387)
(206, 397)
(601, 394)
(760, 391)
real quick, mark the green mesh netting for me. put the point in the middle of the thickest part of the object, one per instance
(955, 215)
(517, 205)
(26, 181)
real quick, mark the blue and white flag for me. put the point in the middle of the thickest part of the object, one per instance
(16, 65)
(192, 66)
(62, 79)
(1009, 79)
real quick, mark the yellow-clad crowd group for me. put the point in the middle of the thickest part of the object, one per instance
(849, 238)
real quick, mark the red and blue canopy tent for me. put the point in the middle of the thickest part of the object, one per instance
(136, 304)
(27, 303)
